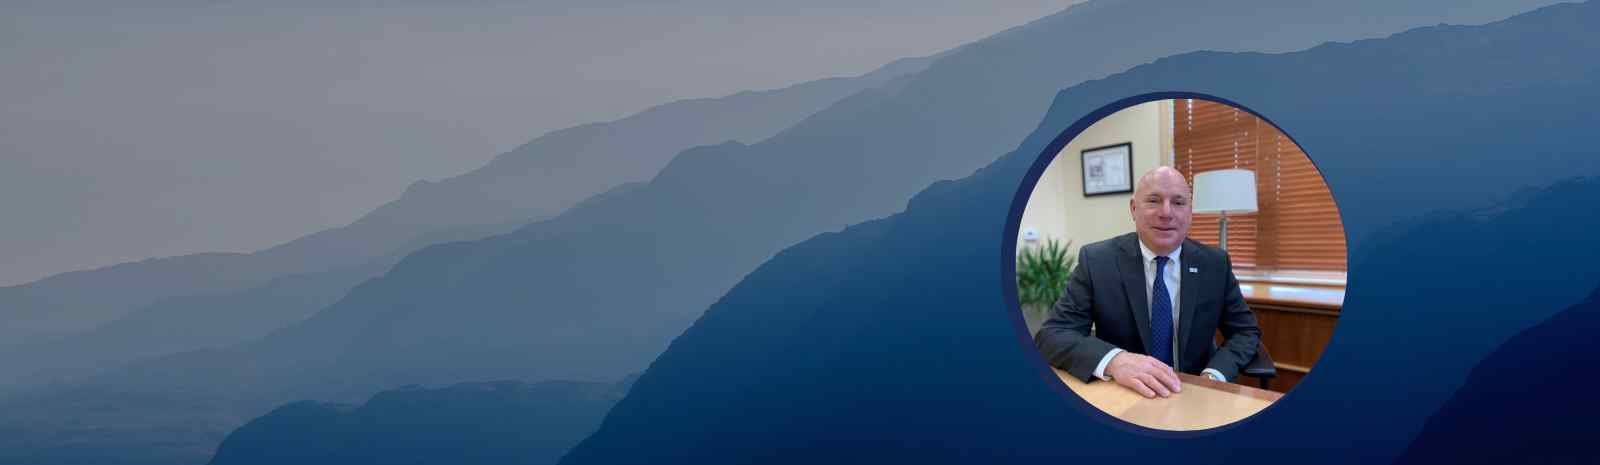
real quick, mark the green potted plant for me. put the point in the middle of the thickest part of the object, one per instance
(1042, 272)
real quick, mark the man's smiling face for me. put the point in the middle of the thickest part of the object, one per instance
(1161, 209)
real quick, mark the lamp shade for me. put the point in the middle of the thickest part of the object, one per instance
(1225, 191)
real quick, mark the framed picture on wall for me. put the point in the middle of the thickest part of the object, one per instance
(1108, 170)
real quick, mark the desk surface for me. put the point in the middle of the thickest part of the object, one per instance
(1322, 298)
(1203, 404)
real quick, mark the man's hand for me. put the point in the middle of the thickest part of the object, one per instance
(1143, 374)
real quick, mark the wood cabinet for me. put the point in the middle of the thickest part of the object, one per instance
(1296, 324)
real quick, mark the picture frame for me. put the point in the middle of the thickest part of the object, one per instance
(1108, 170)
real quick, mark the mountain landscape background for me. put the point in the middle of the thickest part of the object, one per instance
(1546, 358)
(496, 422)
(176, 127)
(903, 351)
(234, 313)
(590, 293)
(533, 182)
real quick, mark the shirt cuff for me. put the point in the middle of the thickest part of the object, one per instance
(1214, 374)
(1100, 370)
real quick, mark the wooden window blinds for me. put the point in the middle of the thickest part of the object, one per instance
(1297, 226)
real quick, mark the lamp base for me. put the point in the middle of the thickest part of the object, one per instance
(1223, 227)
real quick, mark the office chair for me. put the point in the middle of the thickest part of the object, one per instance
(1261, 366)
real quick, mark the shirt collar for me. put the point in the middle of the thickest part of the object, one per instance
(1150, 256)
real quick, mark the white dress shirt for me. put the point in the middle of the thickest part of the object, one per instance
(1173, 277)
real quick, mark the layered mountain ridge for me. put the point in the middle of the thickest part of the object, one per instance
(893, 341)
(534, 181)
(600, 290)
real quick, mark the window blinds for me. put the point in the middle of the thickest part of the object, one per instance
(1297, 226)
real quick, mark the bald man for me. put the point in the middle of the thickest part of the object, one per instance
(1154, 299)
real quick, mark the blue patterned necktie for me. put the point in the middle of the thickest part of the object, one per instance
(1161, 316)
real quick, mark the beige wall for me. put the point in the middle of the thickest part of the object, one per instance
(1058, 209)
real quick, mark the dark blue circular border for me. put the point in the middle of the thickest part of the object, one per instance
(1008, 252)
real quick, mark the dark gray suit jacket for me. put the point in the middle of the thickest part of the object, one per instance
(1107, 289)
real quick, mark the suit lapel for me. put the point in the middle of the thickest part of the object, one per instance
(1132, 269)
(1188, 285)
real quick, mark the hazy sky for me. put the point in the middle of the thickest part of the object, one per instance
(221, 126)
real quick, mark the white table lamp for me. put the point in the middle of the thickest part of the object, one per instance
(1225, 191)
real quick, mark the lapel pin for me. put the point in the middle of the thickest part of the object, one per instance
(1194, 270)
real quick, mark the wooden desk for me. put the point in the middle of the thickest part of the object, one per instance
(1283, 295)
(1203, 404)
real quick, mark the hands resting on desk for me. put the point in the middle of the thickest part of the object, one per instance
(1143, 374)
